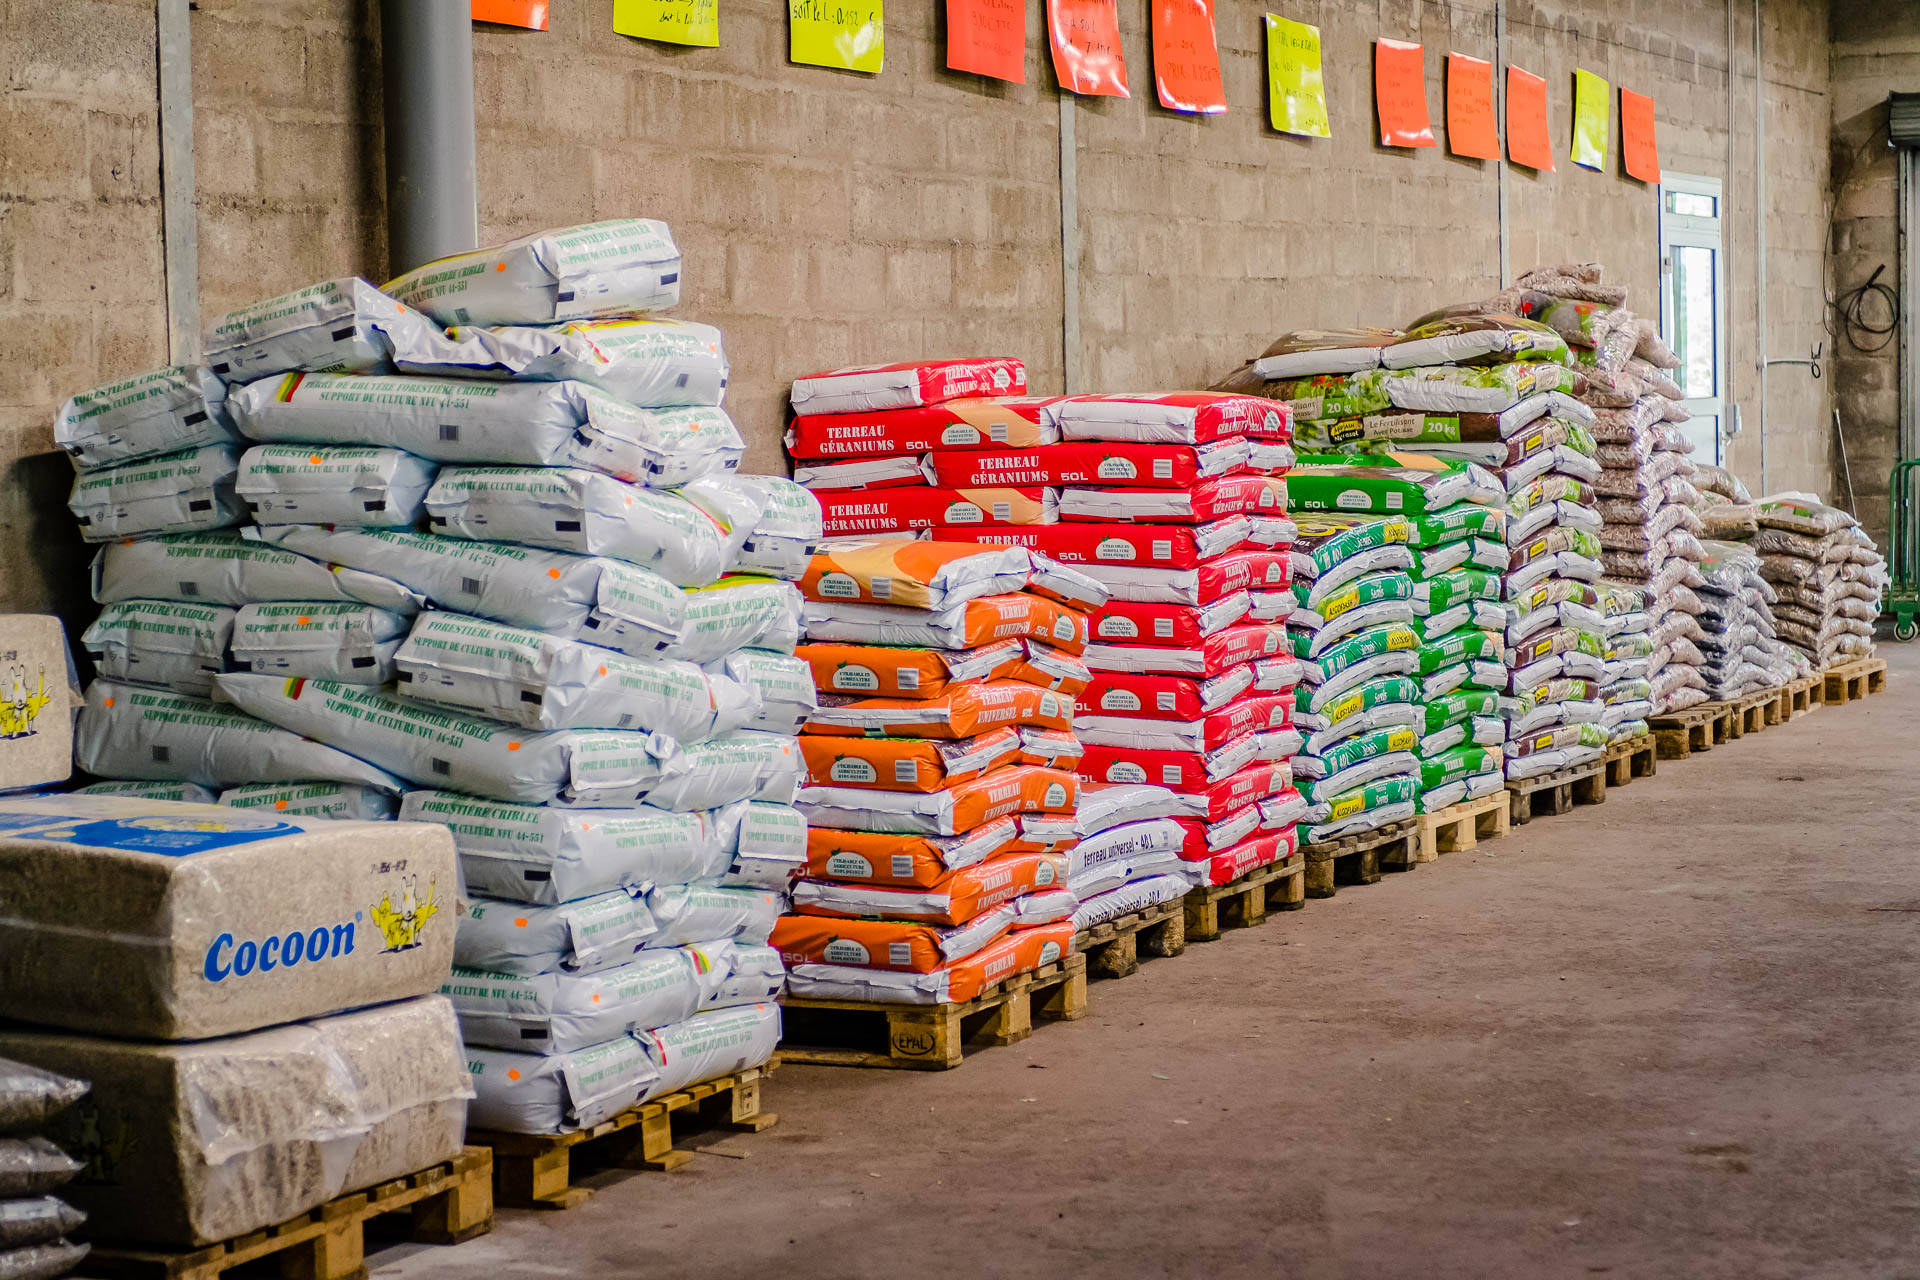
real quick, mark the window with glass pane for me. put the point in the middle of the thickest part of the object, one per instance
(1694, 319)
(1692, 204)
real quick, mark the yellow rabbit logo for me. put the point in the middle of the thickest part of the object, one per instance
(20, 708)
(403, 926)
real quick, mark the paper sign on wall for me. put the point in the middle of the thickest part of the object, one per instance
(1296, 92)
(1528, 140)
(1470, 128)
(988, 38)
(694, 22)
(848, 34)
(1639, 149)
(1085, 38)
(1400, 94)
(1590, 109)
(531, 14)
(1186, 60)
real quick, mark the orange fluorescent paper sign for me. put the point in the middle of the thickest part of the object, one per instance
(1085, 39)
(1400, 94)
(1470, 129)
(905, 764)
(1639, 149)
(1186, 59)
(1528, 141)
(988, 38)
(531, 14)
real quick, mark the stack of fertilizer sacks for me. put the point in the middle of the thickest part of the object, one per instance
(1192, 688)
(939, 765)
(1826, 573)
(34, 1221)
(520, 583)
(1650, 535)
(251, 999)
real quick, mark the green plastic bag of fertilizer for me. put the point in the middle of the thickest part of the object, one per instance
(1462, 646)
(1373, 769)
(1334, 395)
(1472, 553)
(1338, 710)
(1460, 762)
(1465, 520)
(1327, 482)
(1352, 751)
(1338, 808)
(1324, 543)
(1313, 601)
(1456, 708)
(1440, 591)
(1371, 643)
(1479, 731)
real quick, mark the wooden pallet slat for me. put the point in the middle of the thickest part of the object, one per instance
(536, 1170)
(449, 1203)
(1211, 909)
(923, 1037)
(1698, 728)
(1853, 680)
(1460, 827)
(1360, 859)
(1113, 948)
(1552, 794)
(1631, 759)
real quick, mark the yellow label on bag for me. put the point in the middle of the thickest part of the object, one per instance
(1346, 806)
(1400, 740)
(695, 22)
(848, 34)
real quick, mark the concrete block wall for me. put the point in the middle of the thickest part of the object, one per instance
(831, 218)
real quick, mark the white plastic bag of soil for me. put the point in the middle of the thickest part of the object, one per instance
(687, 913)
(788, 529)
(463, 421)
(606, 602)
(766, 843)
(337, 326)
(181, 792)
(785, 685)
(540, 854)
(318, 640)
(595, 269)
(738, 612)
(711, 1044)
(434, 748)
(582, 936)
(528, 1093)
(162, 411)
(187, 492)
(30, 1098)
(125, 731)
(300, 484)
(748, 973)
(161, 642)
(585, 512)
(743, 765)
(27, 1226)
(224, 568)
(343, 800)
(551, 1013)
(652, 363)
(540, 681)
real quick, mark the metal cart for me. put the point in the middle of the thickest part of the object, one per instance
(1903, 555)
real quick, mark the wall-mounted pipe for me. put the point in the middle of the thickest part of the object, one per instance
(433, 184)
(1760, 228)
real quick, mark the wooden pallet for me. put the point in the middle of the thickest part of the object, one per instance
(449, 1203)
(1802, 695)
(1460, 827)
(1360, 859)
(1113, 949)
(1552, 794)
(536, 1170)
(1852, 681)
(1630, 759)
(1698, 728)
(933, 1037)
(1243, 903)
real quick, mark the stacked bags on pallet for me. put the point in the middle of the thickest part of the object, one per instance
(1826, 573)
(518, 578)
(249, 995)
(1738, 632)
(939, 764)
(34, 1221)
(1402, 628)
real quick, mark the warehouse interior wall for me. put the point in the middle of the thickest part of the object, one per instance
(830, 218)
(1875, 51)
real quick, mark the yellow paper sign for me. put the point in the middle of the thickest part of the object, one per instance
(837, 33)
(1591, 99)
(1296, 92)
(673, 21)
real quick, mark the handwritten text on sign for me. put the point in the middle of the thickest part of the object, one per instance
(1085, 39)
(695, 22)
(1186, 58)
(1296, 90)
(988, 38)
(837, 33)
(1400, 94)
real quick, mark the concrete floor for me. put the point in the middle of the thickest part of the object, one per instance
(1675, 1035)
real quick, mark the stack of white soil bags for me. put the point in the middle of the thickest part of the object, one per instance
(941, 793)
(891, 448)
(1738, 633)
(1826, 573)
(282, 1043)
(34, 1221)
(1452, 518)
(1192, 686)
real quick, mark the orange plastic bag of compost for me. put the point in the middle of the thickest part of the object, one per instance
(963, 711)
(903, 945)
(896, 671)
(876, 857)
(1024, 788)
(914, 574)
(1017, 953)
(960, 897)
(906, 764)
